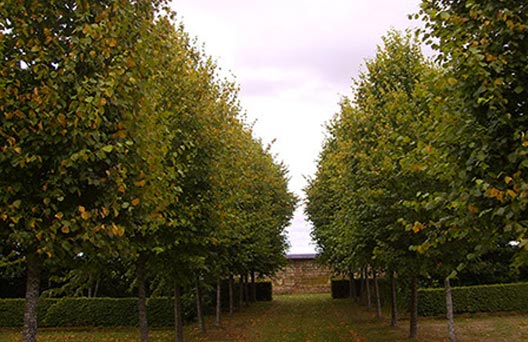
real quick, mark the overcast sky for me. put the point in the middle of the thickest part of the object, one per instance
(293, 60)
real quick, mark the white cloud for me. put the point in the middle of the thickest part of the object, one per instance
(293, 60)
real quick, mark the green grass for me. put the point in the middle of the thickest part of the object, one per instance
(316, 318)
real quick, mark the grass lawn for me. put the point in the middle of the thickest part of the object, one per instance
(315, 318)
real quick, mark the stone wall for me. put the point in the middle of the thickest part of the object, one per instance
(302, 276)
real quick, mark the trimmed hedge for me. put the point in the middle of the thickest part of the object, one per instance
(466, 299)
(264, 291)
(340, 289)
(92, 312)
(70, 312)
(12, 311)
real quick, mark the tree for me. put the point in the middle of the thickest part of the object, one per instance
(483, 46)
(71, 90)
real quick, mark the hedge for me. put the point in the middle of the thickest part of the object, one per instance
(69, 312)
(469, 299)
(264, 291)
(82, 311)
(466, 299)
(12, 311)
(340, 289)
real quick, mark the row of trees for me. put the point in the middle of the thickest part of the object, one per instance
(424, 169)
(120, 142)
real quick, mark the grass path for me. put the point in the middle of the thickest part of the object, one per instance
(306, 318)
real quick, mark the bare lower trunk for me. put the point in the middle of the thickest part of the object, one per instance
(253, 287)
(199, 308)
(246, 290)
(394, 301)
(96, 288)
(377, 294)
(449, 307)
(240, 291)
(361, 295)
(218, 301)
(367, 287)
(178, 313)
(142, 298)
(413, 309)
(29, 333)
(231, 299)
(352, 286)
(90, 281)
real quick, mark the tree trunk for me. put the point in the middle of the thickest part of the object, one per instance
(199, 308)
(231, 299)
(394, 301)
(96, 289)
(351, 286)
(178, 313)
(413, 329)
(377, 294)
(218, 301)
(246, 290)
(253, 288)
(449, 307)
(90, 281)
(367, 287)
(142, 298)
(240, 291)
(361, 294)
(29, 333)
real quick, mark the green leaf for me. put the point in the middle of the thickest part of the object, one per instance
(107, 148)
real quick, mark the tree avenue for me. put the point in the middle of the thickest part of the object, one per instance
(422, 171)
(121, 144)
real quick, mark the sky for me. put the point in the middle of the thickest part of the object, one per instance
(293, 61)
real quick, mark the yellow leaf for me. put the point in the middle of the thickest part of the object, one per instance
(85, 215)
(525, 143)
(472, 209)
(59, 216)
(495, 193)
(428, 149)
(82, 209)
(452, 81)
(417, 227)
(417, 167)
(490, 58)
(65, 229)
(61, 118)
(18, 150)
(511, 193)
(140, 184)
(135, 202)
(508, 179)
(116, 230)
